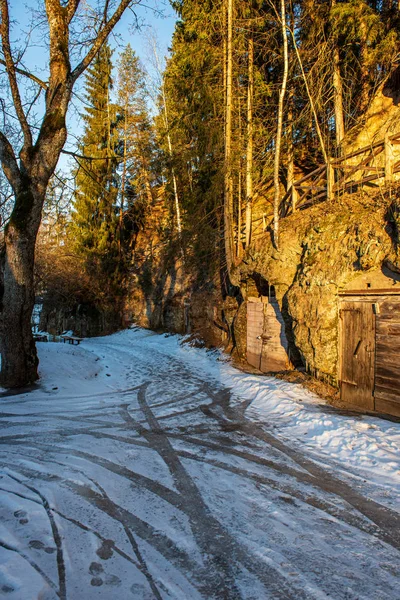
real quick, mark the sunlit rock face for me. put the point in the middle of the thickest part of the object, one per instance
(322, 250)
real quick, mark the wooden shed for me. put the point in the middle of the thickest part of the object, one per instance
(369, 343)
(267, 345)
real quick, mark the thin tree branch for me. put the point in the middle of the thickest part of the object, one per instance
(71, 9)
(83, 157)
(100, 39)
(42, 84)
(11, 71)
(314, 112)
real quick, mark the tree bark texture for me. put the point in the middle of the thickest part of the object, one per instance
(338, 98)
(279, 127)
(29, 174)
(249, 147)
(228, 183)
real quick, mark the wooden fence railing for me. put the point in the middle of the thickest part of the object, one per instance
(338, 176)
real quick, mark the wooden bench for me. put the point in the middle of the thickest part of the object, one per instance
(40, 337)
(71, 339)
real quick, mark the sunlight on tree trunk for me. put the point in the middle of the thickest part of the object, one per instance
(249, 148)
(29, 175)
(228, 183)
(279, 127)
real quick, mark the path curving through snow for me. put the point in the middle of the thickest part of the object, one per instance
(142, 468)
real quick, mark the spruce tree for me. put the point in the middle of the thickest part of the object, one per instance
(94, 218)
(137, 147)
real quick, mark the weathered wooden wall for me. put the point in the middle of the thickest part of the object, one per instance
(267, 345)
(387, 357)
(370, 351)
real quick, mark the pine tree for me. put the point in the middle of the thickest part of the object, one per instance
(136, 138)
(94, 218)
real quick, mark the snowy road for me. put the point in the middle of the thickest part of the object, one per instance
(136, 471)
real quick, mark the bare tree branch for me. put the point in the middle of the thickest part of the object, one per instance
(11, 71)
(42, 84)
(71, 9)
(100, 39)
(9, 162)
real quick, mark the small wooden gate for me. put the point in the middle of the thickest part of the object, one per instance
(267, 347)
(369, 365)
(357, 322)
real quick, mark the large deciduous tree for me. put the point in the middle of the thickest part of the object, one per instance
(29, 158)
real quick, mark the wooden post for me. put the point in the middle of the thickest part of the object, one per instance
(295, 197)
(330, 180)
(388, 160)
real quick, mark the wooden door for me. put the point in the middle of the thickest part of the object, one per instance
(255, 327)
(266, 340)
(357, 360)
(274, 353)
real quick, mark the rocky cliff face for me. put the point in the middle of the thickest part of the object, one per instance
(322, 250)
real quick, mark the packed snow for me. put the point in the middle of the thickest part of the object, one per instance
(141, 467)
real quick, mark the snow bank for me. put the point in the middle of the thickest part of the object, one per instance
(369, 445)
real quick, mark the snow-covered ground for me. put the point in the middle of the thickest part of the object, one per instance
(144, 468)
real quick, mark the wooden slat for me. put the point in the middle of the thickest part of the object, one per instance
(373, 292)
(389, 371)
(306, 177)
(317, 188)
(357, 330)
(310, 201)
(388, 383)
(385, 405)
(389, 307)
(387, 327)
(387, 345)
(370, 148)
(386, 360)
(387, 394)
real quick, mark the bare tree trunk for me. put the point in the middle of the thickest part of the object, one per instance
(338, 98)
(365, 75)
(338, 94)
(279, 127)
(174, 182)
(19, 359)
(239, 213)
(123, 176)
(249, 148)
(29, 175)
(228, 183)
(312, 105)
(170, 149)
(290, 149)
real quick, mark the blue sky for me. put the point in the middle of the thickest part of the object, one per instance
(155, 16)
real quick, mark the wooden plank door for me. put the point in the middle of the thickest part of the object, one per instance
(274, 354)
(255, 327)
(387, 369)
(357, 358)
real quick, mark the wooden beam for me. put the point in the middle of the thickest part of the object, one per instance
(330, 180)
(389, 159)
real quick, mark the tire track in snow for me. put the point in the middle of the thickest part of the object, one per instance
(378, 514)
(161, 542)
(33, 564)
(56, 536)
(211, 536)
